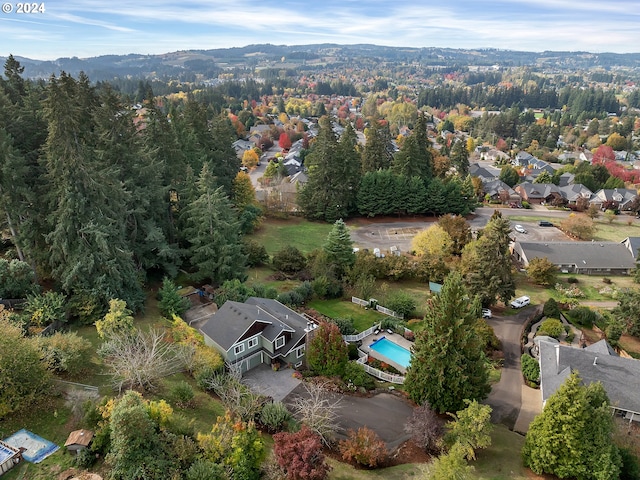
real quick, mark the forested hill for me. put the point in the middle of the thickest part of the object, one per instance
(190, 64)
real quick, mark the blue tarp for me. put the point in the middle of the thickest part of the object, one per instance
(37, 448)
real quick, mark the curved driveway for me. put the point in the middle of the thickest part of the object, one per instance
(506, 396)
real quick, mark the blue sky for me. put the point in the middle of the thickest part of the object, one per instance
(85, 28)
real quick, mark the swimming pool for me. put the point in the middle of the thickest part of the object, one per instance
(392, 351)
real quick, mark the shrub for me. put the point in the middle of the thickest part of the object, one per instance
(183, 394)
(355, 376)
(530, 368)
(300, 455)
(274, 416)
(364, 447)
(630, 469)
(206, 469)
(401, 302)
(64, 352)
(289, 260)
(551, 327)
(607, 280)
(325, 287)
(263, 291)
(525, 204)
(551, 309)
(573, 280)
(583, 316)
(345, 325)
(353, 351)
(85, 458)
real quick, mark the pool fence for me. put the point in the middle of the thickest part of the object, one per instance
(361, 335)
(387, 377)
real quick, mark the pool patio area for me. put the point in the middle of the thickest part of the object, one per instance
(392, 337)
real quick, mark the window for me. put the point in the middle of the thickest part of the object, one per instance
(298, 365)
(238, 349)
(279, 342)
(300, 352)
(253, 342)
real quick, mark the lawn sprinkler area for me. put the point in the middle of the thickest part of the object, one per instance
(36, 447)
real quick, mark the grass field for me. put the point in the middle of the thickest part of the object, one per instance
(605, 231)
(337, 308)
(303, 234)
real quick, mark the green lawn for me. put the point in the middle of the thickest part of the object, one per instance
(502, 460)
(337, 308)
(616, 231)
(343, 471)
(303, 234)
(261, 275)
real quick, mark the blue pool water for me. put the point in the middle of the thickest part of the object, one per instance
(393, 351)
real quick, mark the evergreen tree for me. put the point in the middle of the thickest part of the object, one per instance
(487, 263)
(378, 151)
(327, 353)
(448, 363)
(213, 232)
(409, 161)
(460, 158)
(224, 161)
(339, 249)
(331, 190)
(88, 251)
(572, 437)
(436, 199)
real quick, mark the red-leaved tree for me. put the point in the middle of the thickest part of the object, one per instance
(300, 455)
(363, 446)
(284, 141)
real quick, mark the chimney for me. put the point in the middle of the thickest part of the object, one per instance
(595, 360)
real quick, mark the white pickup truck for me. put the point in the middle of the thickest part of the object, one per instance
(520, 302)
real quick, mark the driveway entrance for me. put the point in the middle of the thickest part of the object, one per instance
(274, 384)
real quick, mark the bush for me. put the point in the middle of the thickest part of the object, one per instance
(256, 253)
(263, 291)
(607, 280)
(573, 280)
(300, 455)
(289, 260)
(85, 458)
(274, 416)
(64, 352)
(183, 394)
(355, 376)
(551, 327)
(364, 447)
(201, 469)
(551, 309)
(325, 287)
(525, 204)
(345, 325)
(630, 469)
(530, 368)
(583, 316)
(401, 302)
(426, 428)
(353, 351)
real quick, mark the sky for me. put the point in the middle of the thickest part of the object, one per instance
(86, 28)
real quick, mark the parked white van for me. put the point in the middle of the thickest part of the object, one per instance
(520, 302)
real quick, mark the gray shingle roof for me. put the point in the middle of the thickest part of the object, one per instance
(582, 254)
(231, 321)
(619, 376)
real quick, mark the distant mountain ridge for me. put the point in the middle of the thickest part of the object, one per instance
(207, 63)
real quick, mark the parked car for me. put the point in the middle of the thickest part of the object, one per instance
(520, 302)
(520, 228)
(544, 223)
(486, 313)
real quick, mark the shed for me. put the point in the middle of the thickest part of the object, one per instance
(78, 440)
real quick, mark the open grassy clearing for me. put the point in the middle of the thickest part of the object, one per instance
(616, 231)
(261, 275)
(343, 471)
(305, 235)
(338, 308)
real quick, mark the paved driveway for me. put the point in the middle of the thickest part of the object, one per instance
(506, 397)
(265, 381)
(384, 413)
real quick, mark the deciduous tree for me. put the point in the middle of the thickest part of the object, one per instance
(471, 428)
(432, 241)
(628, 311)
(118, 320)
(542, 271)
(300, 455)
(426, 428)
(579, 226)
(364, 447)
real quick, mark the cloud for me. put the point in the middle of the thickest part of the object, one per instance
(67, 17)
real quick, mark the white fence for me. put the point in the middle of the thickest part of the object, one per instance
(361, 335)
(359, 301)
(387, 377)
(391, 313)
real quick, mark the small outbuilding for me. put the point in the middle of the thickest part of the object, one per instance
(78, 440)
(9, 457)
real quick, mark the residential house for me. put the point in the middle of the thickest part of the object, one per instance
(485, 174)
(9, 457)
(523, 159)
(574, 192)
(498, 190)
(258, 331)
(528, 161)
(539, 193)
(619, 376)
(568, 157)
(633, 245)
(617, 198)
(590, 258)
(241, 146)
(495, 156)
(566, 179)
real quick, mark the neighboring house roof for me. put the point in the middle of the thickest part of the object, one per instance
(566, 179)
(591, 255)
(79, 437)
(542, 191)
(633, 245)
(623, 196)
(494, 188)
(484, 174)
(574, 192)
(523, 158)
(619, 376)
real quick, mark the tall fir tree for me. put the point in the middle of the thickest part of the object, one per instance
(414, 158)
(378, 151)
(448, 363)
(331, 190)
(339, 248)
(88, 251)
(460, 158)
(213, 232)
(487, 266)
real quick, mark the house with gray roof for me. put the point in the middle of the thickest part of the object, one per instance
(619, 376)
(620, 198)
(258, 331)
(590, 258)
(633, 245)
(498, 190)
(574, 192)
(539, 193)
(486, 175)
